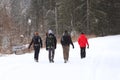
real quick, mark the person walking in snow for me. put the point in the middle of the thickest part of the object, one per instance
(37, 44)
(51, 42)
(82, 41)
(65, 42)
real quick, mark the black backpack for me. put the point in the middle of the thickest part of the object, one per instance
(36, 40)
(65, 40)
(50, 41)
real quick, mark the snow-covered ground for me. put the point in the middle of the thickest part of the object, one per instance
(102, 63)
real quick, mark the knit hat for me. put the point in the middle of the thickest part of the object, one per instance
(50, 32)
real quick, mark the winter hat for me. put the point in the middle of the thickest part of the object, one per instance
(50, 32)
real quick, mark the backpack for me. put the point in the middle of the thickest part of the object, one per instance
(36, 40)
(50, 41)
(65, 40)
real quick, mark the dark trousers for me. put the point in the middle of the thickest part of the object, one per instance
(83, 52)
(51, 54)
(36, 54)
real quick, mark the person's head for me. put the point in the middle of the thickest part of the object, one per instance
(66, 31)
(46, 33)
(36, 33)
(82, 33)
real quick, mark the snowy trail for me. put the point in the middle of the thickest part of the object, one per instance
(102, 63)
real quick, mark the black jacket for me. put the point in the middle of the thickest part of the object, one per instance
(66, 40)
(47, 41)
(36, 44)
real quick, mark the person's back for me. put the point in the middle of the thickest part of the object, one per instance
(82, 40)
(37, 43)
(66, 41)
(50, 41)
(36, 40)
(51, 45)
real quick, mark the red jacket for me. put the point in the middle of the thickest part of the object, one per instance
(82, 40)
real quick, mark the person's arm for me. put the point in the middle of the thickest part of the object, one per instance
(61, 40)
(79, 40)
(41, 45)
(87, 43)
(71, 42)
(46, 43)
(30, 44)
(55, 42)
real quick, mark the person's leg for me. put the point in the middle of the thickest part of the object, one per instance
(64, 52)
(84, 55)
(83, 52)
(36, 55)
(53, 54)
(67, 53)
(49, 55)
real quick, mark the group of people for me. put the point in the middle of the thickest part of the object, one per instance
(51, 43)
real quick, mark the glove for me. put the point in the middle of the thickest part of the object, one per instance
(55, 47)
(73, 46)
(88, 46)
(46, 48)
